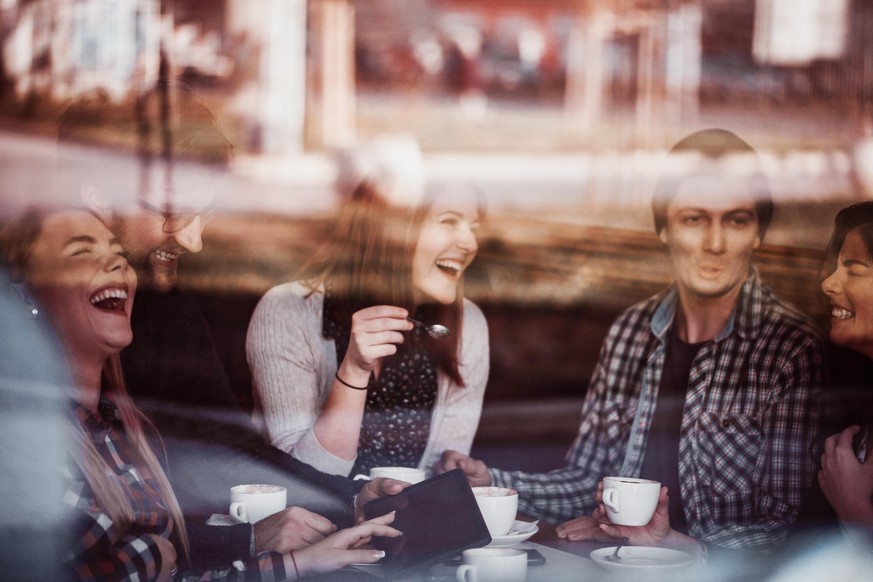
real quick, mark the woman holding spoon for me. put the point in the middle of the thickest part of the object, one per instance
(373, 357)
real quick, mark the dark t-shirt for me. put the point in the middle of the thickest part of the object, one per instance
(661, 461)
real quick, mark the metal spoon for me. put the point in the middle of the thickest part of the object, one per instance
(435, 331)
(614, 557)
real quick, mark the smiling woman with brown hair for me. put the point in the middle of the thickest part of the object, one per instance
(346, 382)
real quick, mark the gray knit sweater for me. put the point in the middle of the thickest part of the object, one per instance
(293, 367)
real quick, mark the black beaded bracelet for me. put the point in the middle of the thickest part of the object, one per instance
(344, 383)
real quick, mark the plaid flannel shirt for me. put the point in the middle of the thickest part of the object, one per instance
(102, 551)
(750, 418)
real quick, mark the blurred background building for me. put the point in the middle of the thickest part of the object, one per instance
(560, 111)
(300, 74)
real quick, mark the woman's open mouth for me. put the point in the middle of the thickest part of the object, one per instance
(110, 299)
(450, 267)
(840, 313)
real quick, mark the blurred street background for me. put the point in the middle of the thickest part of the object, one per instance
(559, 111)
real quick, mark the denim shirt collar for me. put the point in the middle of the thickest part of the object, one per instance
(745, 318)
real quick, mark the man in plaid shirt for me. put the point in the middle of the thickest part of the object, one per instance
(708, 387)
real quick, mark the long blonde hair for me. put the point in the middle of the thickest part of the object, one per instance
(105, 484)
(17, 241)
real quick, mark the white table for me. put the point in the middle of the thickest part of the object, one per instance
(576, 566)
(560, 566)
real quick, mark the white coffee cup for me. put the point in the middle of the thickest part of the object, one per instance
(252, 503)
(630, 501)
(408, 474)
(492, 565)
(498, 506)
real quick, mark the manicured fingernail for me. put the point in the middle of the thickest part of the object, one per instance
(379, 554)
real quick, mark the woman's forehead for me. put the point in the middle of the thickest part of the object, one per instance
(854, 246)
(458, 199)
(60, 227)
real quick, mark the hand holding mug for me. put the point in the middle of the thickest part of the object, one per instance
(653, 532)
(628, 501)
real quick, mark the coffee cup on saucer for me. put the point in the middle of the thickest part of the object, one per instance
(498, 506)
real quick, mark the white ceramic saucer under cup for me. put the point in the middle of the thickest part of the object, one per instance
(519, 532)
(641, 558)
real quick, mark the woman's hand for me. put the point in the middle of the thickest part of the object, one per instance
(291, 529)
(846, 482)
(168, 557)
(343, 548)
(376, 331)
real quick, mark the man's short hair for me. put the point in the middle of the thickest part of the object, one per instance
(161, 119)
(715, 145)
(176, 147)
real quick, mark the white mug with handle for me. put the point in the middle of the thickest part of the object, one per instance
(630, 501)
(252, 503)
(492, 565)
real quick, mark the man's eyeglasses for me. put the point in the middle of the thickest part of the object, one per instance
(175, 221)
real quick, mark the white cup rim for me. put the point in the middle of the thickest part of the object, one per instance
(496, 491)
(274, 489)
(632, 480)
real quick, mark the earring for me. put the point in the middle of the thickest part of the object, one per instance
(25, 297)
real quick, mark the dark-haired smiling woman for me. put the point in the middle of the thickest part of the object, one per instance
(846, 475)
(128, 522)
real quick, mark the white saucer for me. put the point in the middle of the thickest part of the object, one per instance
(643, 558)
(520, 531)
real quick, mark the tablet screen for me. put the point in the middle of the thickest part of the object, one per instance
(439, 518)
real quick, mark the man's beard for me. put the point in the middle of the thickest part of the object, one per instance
(153, 274)
(160, 276)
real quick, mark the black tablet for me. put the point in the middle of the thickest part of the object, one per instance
(439, 518)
